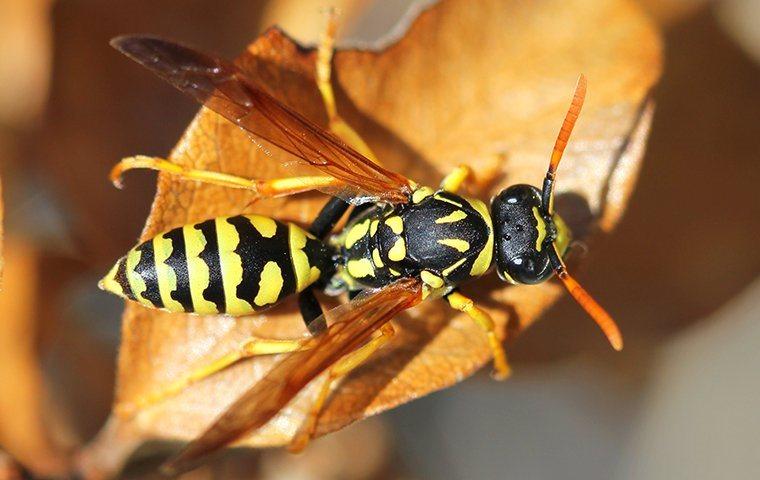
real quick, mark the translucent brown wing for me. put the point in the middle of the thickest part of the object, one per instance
(351, 325)
(221, 86)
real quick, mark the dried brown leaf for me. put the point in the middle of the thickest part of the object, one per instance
(26, 58)
(468, 80)
(8, 468)
(26, 431)
(2, 235)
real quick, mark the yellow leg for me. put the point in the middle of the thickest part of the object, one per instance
(484, 321)
(324, 72)
(454, 180)
(266, 188)
(480, 182)
(249, 348)
(341, 368)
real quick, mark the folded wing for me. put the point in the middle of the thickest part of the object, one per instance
(221, 86)
(351, 325)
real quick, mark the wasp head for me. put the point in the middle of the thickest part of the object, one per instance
(524, 233)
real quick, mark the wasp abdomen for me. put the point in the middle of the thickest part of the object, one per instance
(232, 265)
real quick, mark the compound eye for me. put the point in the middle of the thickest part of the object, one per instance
(529, 268)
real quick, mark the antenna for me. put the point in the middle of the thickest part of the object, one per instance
(547, 195)
(595, 311)
(586, 301)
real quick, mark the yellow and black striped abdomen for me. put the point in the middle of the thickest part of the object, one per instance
(232, 265)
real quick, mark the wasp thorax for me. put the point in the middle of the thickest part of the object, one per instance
(522, 235)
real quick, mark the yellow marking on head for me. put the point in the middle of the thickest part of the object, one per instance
(231, 265)
(265, 225)
(456, 243)
(134, 279)
(453, 267)
(541, 227)
(484, 258)
(197, 270)
(395, 273)
(109, 283)
(305, 273)
(564, 235)
(454, 216)
(373, 227)
(421, 194)
(431, 279)
(398, 250)
(360, 268)
(167, 278)
(508, 277)
(376, 258)
(356, 233)
(447, 200)
(270, 284)
(396, 224)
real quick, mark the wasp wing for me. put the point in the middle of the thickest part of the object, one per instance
(221, 86)
(351, 325)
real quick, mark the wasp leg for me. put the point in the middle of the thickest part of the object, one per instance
(327, 217)
(324, 82)
(480, 182)
(249, 348)
(484, 321)
(341, 368)
(275, 187)
(311, 311)
(454, 180)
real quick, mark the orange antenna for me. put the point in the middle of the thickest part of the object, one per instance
(595, 311)
(547, 195)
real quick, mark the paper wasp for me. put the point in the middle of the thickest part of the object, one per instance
(402, 243)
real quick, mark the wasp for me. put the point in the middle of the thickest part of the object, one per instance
(402, 243)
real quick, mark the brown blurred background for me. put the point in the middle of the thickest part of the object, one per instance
(679, 272)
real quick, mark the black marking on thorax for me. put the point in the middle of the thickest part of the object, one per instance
(443, 233)
(444, 217)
